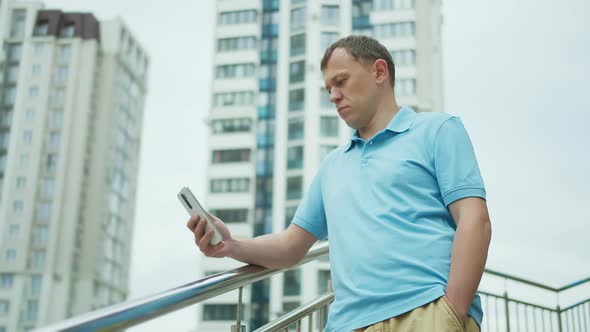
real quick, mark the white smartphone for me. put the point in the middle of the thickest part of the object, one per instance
(193, 207)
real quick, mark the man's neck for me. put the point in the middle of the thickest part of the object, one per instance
(381, 119)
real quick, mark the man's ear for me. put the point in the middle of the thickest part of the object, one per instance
(381, 70)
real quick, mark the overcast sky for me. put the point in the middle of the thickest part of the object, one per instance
(515, 71)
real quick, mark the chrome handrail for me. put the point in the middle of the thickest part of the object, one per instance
(131, 313)
(297, 314)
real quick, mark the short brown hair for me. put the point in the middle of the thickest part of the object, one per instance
(363, 49)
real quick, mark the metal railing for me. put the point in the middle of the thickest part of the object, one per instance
(502, 312)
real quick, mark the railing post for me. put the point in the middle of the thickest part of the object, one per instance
(559, 324)
(507, 308)
(239, 327)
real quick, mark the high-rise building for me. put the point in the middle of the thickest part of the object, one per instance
(271, 120)
(72, 91)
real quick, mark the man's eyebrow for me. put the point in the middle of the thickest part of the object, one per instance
(334, 78)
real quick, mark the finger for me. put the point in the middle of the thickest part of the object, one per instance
(204, 241)
(200, 228)
(192, 222)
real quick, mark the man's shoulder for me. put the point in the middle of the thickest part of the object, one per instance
(431, 121)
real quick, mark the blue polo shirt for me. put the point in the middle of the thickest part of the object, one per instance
(383, 204)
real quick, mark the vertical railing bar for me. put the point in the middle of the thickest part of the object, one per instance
(310, 324)
(535, 318)
(517, 319)
(559, 320)
(488, 312)
(239, 323)
(497, 311)
(543, 318)
(321, 318)
(507, 308)
(579, 317)
(585, 316)
(526, 317)
(299, 325)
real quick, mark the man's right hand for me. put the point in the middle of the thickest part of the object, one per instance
(197, 226)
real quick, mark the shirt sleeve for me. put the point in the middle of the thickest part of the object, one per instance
(310, 214)
(455, 164)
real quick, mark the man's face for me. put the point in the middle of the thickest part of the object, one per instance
(352, 88)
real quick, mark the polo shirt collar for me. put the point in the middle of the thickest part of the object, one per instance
(401, 122)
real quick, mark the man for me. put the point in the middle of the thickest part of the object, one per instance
(403, 204)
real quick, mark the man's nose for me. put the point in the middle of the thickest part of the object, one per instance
(335, 96)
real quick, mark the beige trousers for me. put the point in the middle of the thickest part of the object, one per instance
(436, 316)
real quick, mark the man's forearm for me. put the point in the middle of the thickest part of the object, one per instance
(270, 250)
(468, 259)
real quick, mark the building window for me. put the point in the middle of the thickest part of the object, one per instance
(217, 312)
(10, 255)
(330, 16)
(54, 139)
(394, 30)
(238, 125)
(294, 187)
(295, 157)
(329, 126)
(15, 52)
(36, 282)
(21, 182)
(297, 71)
(34, 91)
(296, 99)
(9, 95)
(236, 70)
(17, 206)
(231, 215)
(289, 215)
(295, 129)
(297, 46)
(38, 259)
(41, 29)
(62, 75)
(39, 49)
(238, 17)
(32, 310)
(4, 307)
(230, 156)
(327, 39)
(12, 74)
(325, 150)
(236, 44)
(323, 280)
(13, 231)
(36, 70)
(67, 31)
(17, 28)
(238, 185)
(6, 280)
(404, 57)
(40, 235)
(405, 87)
(29, 114)
(56, 119)
(27, 136)
(298, 18)
(292, 282)
(51, 164)
(47, 187)
(23, 161)
(65, 52)
(59, 97)
(44, 211)
(241, 98)
(4, 140)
